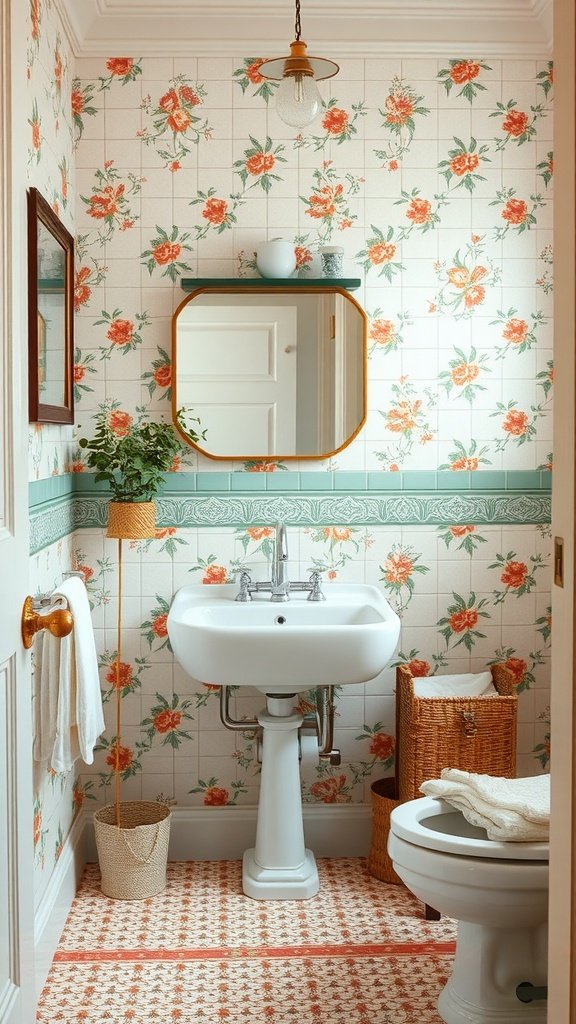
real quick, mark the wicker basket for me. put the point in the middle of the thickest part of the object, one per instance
(384, 800)
(133, 858)
(131, 520)
(475, 734)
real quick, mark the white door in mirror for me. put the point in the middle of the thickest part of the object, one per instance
(237, 374)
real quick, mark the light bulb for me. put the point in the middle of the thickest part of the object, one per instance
(298, 100)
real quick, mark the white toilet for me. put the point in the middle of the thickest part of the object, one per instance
(498, 893)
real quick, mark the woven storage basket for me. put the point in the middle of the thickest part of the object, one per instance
(133, 858)
(475, 734)
(384, 800)
(131, 520)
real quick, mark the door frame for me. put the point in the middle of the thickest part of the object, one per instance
(562, 921)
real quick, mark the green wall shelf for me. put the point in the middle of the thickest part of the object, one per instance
(351, 284)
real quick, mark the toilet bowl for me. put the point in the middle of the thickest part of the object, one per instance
(498, 893)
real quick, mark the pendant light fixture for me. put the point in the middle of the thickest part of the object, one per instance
(298, 100)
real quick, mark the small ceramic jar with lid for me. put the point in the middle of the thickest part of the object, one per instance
(276, 258)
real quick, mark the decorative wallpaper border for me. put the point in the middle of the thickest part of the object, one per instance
(357, 510)
(53, 520)
(51, 524)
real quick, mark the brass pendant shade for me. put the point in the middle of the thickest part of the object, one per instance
(298, 100)
(298, 63)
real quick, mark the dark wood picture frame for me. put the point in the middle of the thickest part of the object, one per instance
(57, 282)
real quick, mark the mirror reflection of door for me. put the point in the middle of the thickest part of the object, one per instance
(237, 374)
(270, 373)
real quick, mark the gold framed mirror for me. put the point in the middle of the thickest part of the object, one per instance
(50, 315)
(269, 372)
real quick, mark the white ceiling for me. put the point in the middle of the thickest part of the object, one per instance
(339, 27)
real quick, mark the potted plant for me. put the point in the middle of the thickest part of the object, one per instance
(131, 837)
(133, 466)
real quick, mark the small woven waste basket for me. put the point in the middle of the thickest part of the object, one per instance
(475, 734)
(133, 857)
(384, 800)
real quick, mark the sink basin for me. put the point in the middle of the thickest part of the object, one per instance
(286, 647)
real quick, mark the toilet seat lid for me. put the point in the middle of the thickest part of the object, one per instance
(436, 825)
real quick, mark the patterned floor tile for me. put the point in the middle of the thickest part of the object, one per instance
(201, 952)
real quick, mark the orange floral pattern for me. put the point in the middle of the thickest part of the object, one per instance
(381, 252)
(463, 162)
(215, 574)
(517, 125)
(402, 564)
(462, 619)
(517, 577)
(259, 165)
(464, 73)
(331, 790)
(168, 251)
(329, 200)
(174, 127)
(461, 292)
(110, 201)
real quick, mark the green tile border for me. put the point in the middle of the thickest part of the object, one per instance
(303, 483)
(53, 488)
(63, 504)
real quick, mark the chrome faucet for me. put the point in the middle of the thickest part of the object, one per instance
(280, 582)
(279, 586)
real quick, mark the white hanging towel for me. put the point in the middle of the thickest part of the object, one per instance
(80, 718)
(514, 810)
(46, 686)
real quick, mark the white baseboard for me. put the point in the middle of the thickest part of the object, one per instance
(50, 917)
(223, 833)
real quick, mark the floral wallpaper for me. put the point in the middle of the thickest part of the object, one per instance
(49, 71)
(49, 75)
(436, 177)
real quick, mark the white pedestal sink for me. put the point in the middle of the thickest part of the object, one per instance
(281, 650)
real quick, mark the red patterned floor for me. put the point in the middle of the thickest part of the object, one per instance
(201, 953)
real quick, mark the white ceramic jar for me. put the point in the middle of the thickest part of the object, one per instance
(276, 258)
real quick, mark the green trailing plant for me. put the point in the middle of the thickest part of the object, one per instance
(184, 420)
(133, 465)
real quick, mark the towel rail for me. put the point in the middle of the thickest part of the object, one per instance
(36, 616)
(59, 622)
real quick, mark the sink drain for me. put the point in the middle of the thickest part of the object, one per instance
(280, 620)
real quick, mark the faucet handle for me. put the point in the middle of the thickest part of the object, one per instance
(316, 592)
(244, 592)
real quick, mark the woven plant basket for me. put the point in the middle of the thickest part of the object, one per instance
(131, 520)
(133, 858)
(384, 800)
(475, 734)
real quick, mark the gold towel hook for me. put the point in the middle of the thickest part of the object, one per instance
(58, 622)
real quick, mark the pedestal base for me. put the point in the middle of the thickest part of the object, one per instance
(282, 883)
(489, 964)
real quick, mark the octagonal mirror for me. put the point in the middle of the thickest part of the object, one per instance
(269, 372)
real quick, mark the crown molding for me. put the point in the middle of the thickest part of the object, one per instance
(370, 28)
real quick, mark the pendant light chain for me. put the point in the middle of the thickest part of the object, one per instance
(297, 25)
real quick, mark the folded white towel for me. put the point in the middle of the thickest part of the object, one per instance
(46, 684)
(80, 718)
(466, 684)
(514, 810)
